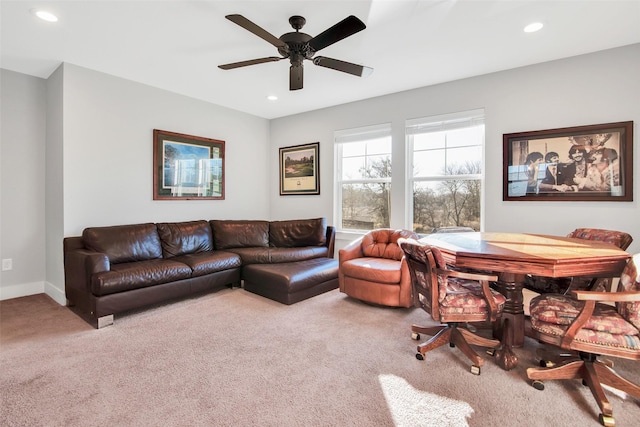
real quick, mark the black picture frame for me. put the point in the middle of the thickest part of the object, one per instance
(300, 170)
(591, 163)
(187, 167)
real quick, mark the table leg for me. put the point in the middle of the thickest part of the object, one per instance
(511, 328)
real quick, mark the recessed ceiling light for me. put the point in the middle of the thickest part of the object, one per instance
(533, 27)
(44, 15)
(272, 98)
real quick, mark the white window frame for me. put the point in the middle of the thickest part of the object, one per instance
(347, 136)
(439, 123)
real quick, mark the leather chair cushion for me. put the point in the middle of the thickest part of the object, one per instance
(380, 270)
(124, 243)
(298, 233)
(383, 243)
(181, 238)
(240, 234)
(133, 275)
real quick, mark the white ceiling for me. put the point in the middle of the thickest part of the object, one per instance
(177, 45)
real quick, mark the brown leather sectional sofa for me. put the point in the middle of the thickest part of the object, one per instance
(110, 270)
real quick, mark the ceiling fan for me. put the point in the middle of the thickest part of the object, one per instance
(297, 47)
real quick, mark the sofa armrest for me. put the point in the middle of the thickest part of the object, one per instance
(80, 264)
(331, 241)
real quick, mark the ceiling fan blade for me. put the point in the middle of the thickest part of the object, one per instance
(295, 77)
(343, 29)
(255, 29)
(345, 67)
(249, 62)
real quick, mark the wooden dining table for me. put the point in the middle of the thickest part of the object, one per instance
(511, 256)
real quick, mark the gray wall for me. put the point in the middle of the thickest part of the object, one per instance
(98, 167)
(22, 195)
(590, 89)
(76, 151)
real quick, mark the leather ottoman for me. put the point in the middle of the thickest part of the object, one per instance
(291, 282)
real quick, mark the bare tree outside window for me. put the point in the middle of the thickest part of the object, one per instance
(446, 159)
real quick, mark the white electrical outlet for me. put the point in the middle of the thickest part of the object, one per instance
(7, 264)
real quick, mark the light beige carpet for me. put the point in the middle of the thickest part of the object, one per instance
(233, 358)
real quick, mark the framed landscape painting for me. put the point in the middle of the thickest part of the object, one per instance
(583, 163)
(299, 169)
(187, 167)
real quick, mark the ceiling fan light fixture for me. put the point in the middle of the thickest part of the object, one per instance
(533, 27)
(44, 15)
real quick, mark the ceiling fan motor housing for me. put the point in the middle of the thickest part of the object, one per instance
(298, 48)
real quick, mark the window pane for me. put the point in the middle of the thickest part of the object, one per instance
(353, 149)
(446, 203)
(379, 146)
(428, 163)
(429, 141)
(464, 137)
(378, 167)
(462, 161)
(366, 206)
(352, 167)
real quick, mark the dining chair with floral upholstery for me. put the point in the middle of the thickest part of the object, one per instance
(562, 285)
(453, 298)
(591, 324)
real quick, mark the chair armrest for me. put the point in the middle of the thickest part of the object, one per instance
(468, 276)
(606, 296)
(352, 251)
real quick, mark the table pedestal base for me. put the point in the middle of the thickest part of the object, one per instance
(510, 329)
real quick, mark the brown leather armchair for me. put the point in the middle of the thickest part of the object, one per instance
(373, 269)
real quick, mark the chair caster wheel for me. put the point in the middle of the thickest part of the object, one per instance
(419, 356)
(537, 384)
(451, 344)
(475, 370)
(584, 382)
(415, 336)
(606, 420)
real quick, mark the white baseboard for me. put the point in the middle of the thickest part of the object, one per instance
(26, 289)
(57, 294)
(21, 290)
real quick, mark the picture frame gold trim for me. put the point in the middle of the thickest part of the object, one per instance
(592, 163)
(300, 170)
(187, 167)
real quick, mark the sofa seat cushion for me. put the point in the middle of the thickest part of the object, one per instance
(210, 262)
(257, 255)
(134, 275)
(380, 270)
(280, 255)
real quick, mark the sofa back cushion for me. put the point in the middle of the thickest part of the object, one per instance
(181, 238)
(298, 233)
(383, 243)
(240, 233)
(124, 243)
